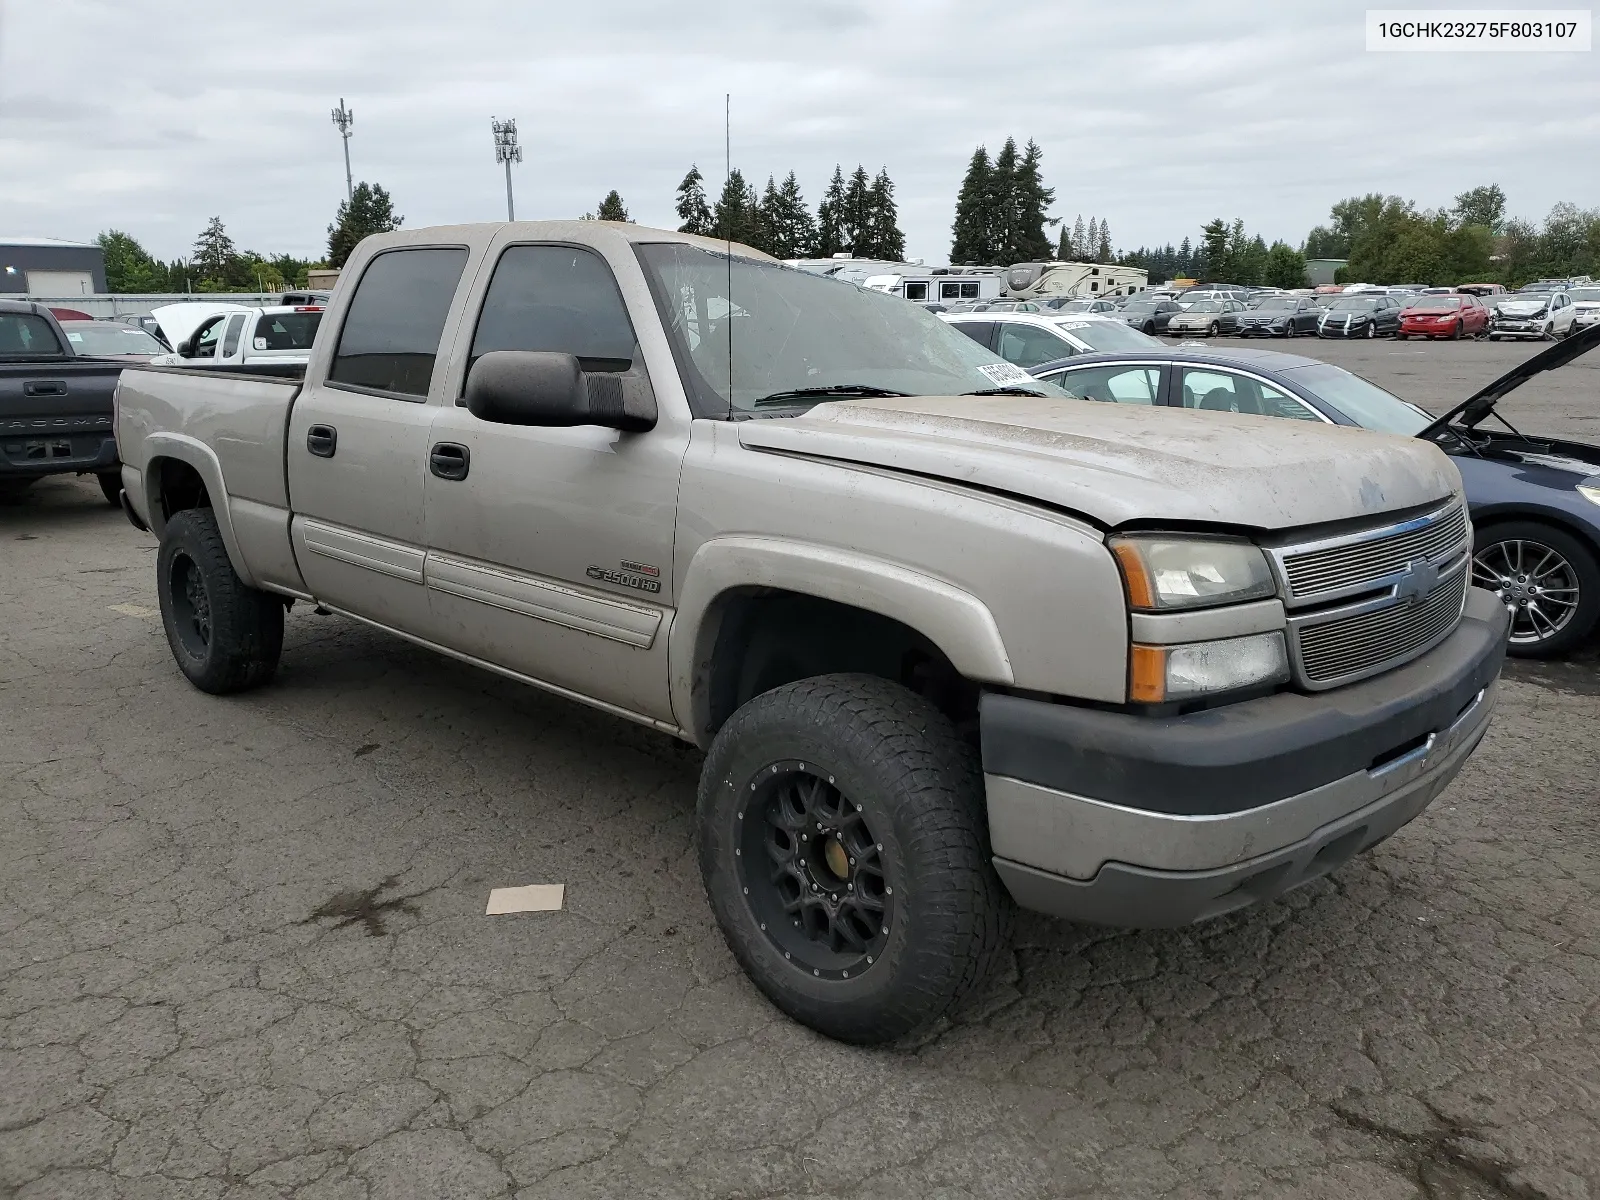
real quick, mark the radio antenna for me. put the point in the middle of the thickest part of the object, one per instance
(727, 179)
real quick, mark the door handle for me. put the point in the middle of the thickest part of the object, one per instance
(449, 460)
(44, 387)
(322, 440)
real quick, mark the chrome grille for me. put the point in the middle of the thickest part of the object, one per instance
(1338, 568)
(1345, 648)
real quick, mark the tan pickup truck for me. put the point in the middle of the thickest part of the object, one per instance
(951, 640)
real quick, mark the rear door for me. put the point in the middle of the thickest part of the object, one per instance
(358, 441)
(232, 335)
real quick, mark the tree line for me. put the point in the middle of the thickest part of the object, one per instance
(856, 216)
(215, 264)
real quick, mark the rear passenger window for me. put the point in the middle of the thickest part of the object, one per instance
(392, 329)
(556, 298)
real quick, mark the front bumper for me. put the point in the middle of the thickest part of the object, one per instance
(1418, 329)
(1339, 330)
(1251, 330)
(1138, 821)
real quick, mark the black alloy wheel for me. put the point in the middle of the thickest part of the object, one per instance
(1213, 330)
(225, 636)
(813, 871)
(843, 842)
(191, 603)
(1547, 578)
(1149, 329)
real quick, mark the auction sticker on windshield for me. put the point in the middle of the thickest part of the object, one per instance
(1004, 372)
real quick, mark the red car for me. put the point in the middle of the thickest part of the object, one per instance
(1444, 316)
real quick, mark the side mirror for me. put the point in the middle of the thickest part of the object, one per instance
(185, 348)
(543, 388)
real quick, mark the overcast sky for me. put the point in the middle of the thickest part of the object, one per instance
(151, 117)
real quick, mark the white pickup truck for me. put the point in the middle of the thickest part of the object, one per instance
(235, 336)
(951, 640)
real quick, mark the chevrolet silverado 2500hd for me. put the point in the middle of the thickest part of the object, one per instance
(950, 639)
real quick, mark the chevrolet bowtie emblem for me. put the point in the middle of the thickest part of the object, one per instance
(1421, 577)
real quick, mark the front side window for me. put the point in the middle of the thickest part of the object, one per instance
(27, 334)
(207, 337)
(560, 299)
(1114, 384)
(1223, 391)
(1030, 346)
(396, 318)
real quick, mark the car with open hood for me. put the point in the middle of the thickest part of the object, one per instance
(1535, 501)
(952, 641)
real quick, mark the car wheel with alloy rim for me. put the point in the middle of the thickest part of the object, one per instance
(1213, 329)
(1548, 579)
(845, 853)
(1372, 329)
(1455, 334)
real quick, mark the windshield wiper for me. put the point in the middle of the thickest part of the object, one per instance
(837, 389)
(1007, 391)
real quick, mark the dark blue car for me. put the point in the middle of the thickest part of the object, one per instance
(1535, 501)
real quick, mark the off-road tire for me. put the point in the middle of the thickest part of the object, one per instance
(919, 788)
(243, 628)
(111, 488)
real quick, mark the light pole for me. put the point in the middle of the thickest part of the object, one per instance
(344, 118)
(506, 151)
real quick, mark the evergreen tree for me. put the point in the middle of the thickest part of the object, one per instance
(213, 251)
(829, 216)
(855, 215)
(1080, 237)
(735, 217)
(1064, 245)
(798, 227)
(972, 239)
(1030, 200)
(1185, 263)
(1003, 204)
(368, 211)
(693, 211)
(1091, 245)
(1213, 253)
(611, 208)
(1103, 247)
(883, 228)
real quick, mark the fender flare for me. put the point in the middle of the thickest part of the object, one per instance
(194, 453)
(951, 618)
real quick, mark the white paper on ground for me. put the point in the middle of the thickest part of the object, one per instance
(534, 897)
(133, 610)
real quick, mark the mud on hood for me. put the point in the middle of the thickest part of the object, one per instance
(1117, 464)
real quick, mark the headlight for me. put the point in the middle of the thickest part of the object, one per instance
(1160, 674)
(1164, 573)
(1589, 489)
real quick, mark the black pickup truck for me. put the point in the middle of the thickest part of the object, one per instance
(55, 406)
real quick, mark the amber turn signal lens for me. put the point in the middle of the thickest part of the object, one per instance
(1147, 674)
(1140, 593)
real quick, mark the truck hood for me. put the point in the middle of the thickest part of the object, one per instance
(1117, 464)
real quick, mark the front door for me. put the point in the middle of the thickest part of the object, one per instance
(550, 550)
(358, 443)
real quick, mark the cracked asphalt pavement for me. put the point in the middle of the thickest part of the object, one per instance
(243, 954)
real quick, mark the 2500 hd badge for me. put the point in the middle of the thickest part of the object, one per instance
(639, 576)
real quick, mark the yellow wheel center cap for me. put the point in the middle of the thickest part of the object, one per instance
(838, 862)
